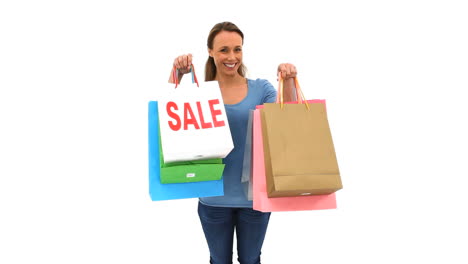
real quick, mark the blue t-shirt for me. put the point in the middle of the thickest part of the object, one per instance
(259, 91)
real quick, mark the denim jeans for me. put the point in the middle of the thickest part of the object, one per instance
(219, 224)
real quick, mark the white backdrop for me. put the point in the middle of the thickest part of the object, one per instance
(75, 78)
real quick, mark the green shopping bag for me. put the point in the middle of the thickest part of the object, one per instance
(190, 171)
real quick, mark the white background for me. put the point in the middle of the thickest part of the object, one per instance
(75, 78)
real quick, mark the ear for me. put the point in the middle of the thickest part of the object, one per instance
(210, 52)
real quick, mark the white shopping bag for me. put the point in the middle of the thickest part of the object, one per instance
(247, 178)
(193, 122)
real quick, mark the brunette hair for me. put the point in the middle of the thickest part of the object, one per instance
(210, 67)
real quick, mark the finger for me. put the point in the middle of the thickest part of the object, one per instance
(281, 67)
(293, 71)
(285, 72)
(183, 62)
(187, 63)
(288, 71)
(189, 60)
(281, 70)
(179, 62)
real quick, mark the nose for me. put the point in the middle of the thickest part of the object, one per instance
(231, 55)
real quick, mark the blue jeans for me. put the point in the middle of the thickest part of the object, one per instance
(219, 223)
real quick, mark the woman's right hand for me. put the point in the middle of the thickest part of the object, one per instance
(183, 62)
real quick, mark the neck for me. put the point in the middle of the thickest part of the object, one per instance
(227, 81)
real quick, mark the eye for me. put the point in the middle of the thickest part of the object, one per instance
(238, 49)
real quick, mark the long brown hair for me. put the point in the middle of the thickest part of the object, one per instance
(210, 67)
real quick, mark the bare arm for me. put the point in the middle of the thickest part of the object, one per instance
(288, 73)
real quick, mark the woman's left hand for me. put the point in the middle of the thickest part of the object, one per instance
(287, 70)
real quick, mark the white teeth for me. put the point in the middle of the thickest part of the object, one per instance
(230, 65)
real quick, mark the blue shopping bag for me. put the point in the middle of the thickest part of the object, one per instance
(171, 191)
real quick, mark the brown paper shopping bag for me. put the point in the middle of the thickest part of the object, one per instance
(300, 156)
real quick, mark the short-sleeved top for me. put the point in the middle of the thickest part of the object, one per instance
(259, 91)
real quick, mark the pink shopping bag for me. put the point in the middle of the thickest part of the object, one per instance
(261, 202)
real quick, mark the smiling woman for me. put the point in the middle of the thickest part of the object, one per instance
(222, 215)
(219, 40)
(224, 63)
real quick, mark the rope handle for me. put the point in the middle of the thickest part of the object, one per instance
(299, 94)
(175, 73)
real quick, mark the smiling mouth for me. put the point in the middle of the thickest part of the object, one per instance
(230, 65)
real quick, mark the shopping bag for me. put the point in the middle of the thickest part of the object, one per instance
(261, 201)
(193, 122)
(246, 177)
(159, 191)
(190, 171)
(300, 157)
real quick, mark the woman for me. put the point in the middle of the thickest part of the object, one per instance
(221, 215)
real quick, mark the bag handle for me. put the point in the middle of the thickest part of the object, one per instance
(299, 94)
(175, 73)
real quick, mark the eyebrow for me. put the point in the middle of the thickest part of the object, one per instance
(223, 47)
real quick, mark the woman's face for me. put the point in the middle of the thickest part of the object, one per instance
(227, 52)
